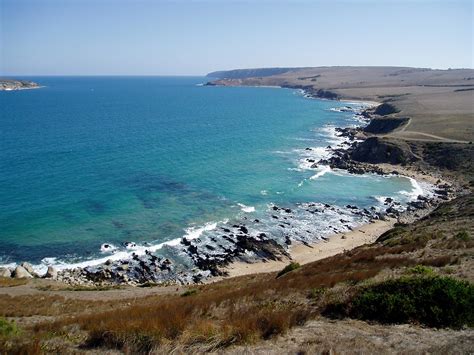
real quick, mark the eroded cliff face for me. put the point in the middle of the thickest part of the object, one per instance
(385, 125)
(376, 150)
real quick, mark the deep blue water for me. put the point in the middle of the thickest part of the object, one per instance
(89, 160)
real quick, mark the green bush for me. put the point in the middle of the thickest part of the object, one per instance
(432, 301)
(189, 293)
(7, 328)
(463, 235)
(421, 270)
(288, 268)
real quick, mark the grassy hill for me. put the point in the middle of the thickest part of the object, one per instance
(438, 102)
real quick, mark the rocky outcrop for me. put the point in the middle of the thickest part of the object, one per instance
(385, 109)
(376, 150)
(384, 125)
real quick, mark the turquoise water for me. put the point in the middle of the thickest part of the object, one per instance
(92, 160)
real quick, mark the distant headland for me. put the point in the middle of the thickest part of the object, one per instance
(13, 84)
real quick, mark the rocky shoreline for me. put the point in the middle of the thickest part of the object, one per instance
(359, 155)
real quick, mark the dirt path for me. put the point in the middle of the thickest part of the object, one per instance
(411, 136)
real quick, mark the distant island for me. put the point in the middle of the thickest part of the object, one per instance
(13, 84)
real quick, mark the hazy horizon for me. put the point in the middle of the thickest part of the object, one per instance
(180, 38)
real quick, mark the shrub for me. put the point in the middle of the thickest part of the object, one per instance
(189, 293)
(432, 301)
(421, 270)
(7, 328)
(463, 235)
(288, 268)
(317, 293)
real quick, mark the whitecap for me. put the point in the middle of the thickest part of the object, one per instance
(380, 199)
(416, 190)
(324, 169)
(107, 248)
(132, 248)
(247, 209)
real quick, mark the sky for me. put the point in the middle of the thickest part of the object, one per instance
(146, 37)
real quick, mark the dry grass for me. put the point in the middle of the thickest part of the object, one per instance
(9, 282)
(39, 305)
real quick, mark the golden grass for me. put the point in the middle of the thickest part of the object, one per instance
(9, 282)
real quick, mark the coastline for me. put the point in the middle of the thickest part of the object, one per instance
(304, 254)
(301, 253)
(337, 243)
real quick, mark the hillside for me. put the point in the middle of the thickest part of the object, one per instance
(438, 103)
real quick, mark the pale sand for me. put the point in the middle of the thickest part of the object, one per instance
(408, 171)
(303, 254)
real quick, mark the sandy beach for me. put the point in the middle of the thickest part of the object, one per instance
(303, 254)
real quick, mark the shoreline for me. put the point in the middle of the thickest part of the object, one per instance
(337, 243)
(298, 252)
(304, 254)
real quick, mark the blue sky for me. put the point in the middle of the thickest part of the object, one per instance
(145, 37)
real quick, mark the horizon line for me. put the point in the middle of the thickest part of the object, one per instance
(242, 68)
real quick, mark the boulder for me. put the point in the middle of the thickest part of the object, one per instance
(21, 273)
(52, 273)
(28, 267)
(5, 272)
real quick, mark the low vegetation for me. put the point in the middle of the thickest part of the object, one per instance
(288, 268)
(432, 301)
(7, 328)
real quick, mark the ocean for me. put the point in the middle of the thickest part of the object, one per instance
(93, 168)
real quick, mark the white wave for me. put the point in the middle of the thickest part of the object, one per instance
(245, 208)
(264, 192)
(324, 169)
(416, 190)
(132, 248)
(8, 266)
(281, 152)
(380, 199)
(310, 156)
(195, 232)
(332, 134)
